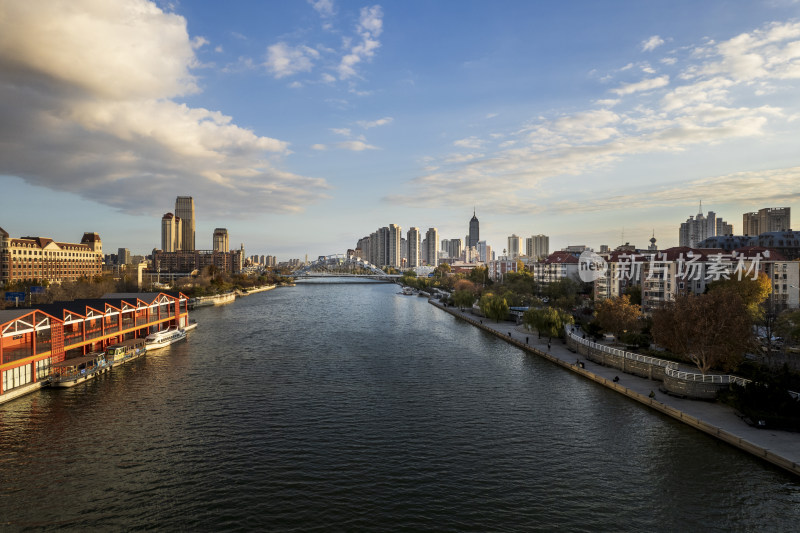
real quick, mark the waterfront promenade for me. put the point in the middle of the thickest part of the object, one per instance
(781, 448)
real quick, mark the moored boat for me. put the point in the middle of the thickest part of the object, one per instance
(70, 372)
(160, 339)
(191, 325)
(125, 351)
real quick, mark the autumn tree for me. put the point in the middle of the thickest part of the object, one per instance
(752, 292)
(711, 330)
(618, 315)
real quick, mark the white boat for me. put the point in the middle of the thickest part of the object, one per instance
(191, 325)
(163, 338)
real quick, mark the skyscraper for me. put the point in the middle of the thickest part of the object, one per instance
(767, 219)
(474, 231)
(413, 242)
(170, 233)
(537, 246)
(432, 242)
(395, 238)
(514, 246)
(184, 209)
(220, 239)
(699, 228)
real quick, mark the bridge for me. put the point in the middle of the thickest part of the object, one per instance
(342, 266)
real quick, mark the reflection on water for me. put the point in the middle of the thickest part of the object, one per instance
(351, 407)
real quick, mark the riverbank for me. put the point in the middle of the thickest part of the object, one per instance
(780, 448)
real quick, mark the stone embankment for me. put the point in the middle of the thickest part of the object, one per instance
(780, 448)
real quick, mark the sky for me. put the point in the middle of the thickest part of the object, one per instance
(303, 126)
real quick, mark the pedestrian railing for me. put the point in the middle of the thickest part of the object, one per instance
(632, 356)
(724, 379)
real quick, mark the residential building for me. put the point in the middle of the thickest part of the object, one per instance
(413, 243)
(537, 247)
(431, 242)
(454, 249)
(484, 252)
(766, 220)
(514, 247)
(698, 228)
(393, 246)
(557, 266)
(41, 258)
(123, 256)
(184, 209)
(498, 268)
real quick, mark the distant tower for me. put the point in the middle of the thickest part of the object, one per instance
(184, 209)
(432, 241)
(653, 247)
(221, 240)
(170, 233)
(413, 241)
(474, 231)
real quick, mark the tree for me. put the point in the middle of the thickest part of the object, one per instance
(711, 330)
(463, 298)
(618, 315)
(493, 306)
(635, 294)
(753, 292)
(548, 321)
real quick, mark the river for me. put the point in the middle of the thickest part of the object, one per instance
(349, 407)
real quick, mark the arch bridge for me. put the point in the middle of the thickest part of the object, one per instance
(342, 266)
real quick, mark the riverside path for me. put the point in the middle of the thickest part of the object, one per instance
(781, 448)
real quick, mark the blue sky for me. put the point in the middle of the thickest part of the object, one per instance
(303, 126)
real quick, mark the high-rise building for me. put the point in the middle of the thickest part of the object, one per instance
(220, 240)
(514, 246)
(413, 242)
(699, 228)
(474, 231)
(184, 209)
(484, 252)
(393, 246)
(454, 248)
(537, 247)
(767, 219)
(170, 233)
(123, 256)
(431, 242)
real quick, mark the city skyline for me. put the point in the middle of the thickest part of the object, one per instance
(301, 127)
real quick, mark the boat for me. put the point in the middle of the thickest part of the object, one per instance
(407, 291)
(163, 338)
(124, 351)
(70, 372)
(191, 325)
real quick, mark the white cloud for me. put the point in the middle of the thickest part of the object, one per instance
(319, 147)
(369, 28)
(356, 146)
(284, 60)
(471, 143)
(652, 43)
(344, 132)
(323, 7)
(644, 85)
(374, 123)
(107, 114)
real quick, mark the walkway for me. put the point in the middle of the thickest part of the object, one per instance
(781, 448)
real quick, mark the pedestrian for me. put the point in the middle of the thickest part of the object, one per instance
(526, 340)
(548, 346)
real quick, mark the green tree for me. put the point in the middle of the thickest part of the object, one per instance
(711, 330)
(548, 321)
(463, 298)
(494, 306)
(618, 315)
